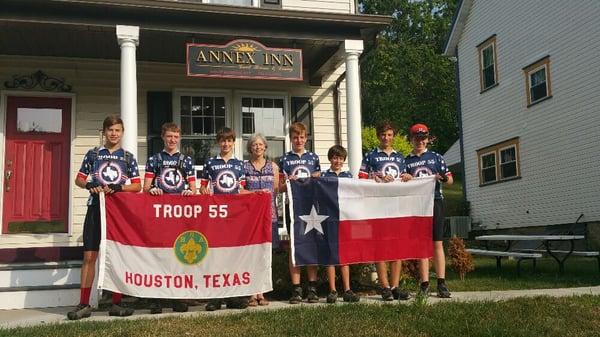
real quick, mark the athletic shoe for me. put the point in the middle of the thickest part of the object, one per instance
(117, 310)
(155, 306)
(423, 292)
(311, 295)
(442, 291)
(179, 306)
(214, 304)
(296, 295)
(400, 294)
(81, 311)
(332, 297)
(350, 296)
(386, 294)
(236, 303)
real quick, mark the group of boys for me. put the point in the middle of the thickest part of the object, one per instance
(107, 168)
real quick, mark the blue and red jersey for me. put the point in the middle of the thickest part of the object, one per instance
(225, 177)
(109, 168)
(331, 173)
(171, 173)
(427, 164)
(302, 166)
(378, 163)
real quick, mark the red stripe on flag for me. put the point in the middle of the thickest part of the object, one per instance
(131, 219)
(388, 239)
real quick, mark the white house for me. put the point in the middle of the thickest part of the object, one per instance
(67, 64)
(529, 110)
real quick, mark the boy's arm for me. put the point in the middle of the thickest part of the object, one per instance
(317, 172)
(191, 175)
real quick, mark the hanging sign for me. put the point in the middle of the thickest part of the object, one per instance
(246, 59)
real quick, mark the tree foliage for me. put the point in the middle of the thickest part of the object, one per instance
(405, 79)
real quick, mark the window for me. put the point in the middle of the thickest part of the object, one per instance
(488, 69)
(200, 117)
(499, 162)
(264, 115)
(537, 78)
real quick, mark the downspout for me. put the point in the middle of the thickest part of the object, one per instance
(460, 124)
(336, 109)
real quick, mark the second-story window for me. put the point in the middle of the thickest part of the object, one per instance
(537, 78)
(488, 64)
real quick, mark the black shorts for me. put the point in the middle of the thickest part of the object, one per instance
(91, 228)
(438, 220)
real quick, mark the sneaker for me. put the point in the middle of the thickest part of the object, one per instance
(120, 311)
(296, 295)
(423, 292)
(236, 303)
(179, 306)
(214, 304)
(311, 295)
(81, 311)
(155, 307)
(442, 291)
(386, 294)
(400, 294)
(332, 297)
(350, 296)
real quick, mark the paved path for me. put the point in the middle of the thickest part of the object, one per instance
(30, 317)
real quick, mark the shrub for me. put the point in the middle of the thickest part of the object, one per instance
(460, 260)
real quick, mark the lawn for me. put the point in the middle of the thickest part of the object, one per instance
(579, 272)
(542, 316)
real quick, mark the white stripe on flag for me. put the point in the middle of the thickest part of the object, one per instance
(157, 273)
(361, 199)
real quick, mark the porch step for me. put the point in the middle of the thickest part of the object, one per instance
(39, 284)
(39, 297)
(39, 274)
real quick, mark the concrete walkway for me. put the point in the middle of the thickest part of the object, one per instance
(30, 317)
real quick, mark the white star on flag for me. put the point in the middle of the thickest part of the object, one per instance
(313, 221)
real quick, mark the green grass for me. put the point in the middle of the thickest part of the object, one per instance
(542, 316)
(453, 198)
(579, 272)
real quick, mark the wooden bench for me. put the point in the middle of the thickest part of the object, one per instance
(574, 253)
(498, 254)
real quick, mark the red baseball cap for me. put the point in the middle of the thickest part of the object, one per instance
(419, 130)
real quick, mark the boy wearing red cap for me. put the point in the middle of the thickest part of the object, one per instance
(419, 163)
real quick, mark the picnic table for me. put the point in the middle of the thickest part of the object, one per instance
(547, 240)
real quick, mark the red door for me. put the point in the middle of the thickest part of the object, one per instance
(36, 165)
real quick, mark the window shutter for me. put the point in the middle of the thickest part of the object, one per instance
(302, 111)
(160, 111)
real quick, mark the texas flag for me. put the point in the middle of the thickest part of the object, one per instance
(346, 221)
(172, 246)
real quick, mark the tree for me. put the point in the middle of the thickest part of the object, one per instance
(404, 78)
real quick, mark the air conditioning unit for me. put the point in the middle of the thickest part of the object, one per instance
(459, 226)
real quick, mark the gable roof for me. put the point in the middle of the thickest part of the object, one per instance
(458, 24)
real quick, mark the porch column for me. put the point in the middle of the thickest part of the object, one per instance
(352, 50)
(128, 38)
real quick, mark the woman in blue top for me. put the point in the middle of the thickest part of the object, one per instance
(262, 175)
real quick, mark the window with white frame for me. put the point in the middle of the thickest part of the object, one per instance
(264, 115)
(488, 64)
(201, 117)
(537, 78)
(499, 162)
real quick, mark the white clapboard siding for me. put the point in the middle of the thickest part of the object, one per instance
(96, 88)
(332, 6)
(558, 137)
